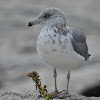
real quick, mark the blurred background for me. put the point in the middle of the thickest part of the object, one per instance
(18, 54)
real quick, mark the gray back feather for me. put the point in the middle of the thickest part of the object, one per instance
(79, 43)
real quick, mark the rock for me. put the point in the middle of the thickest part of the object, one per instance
(17, 96)
(34, 96)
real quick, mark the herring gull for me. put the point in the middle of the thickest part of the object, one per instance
(58, 44)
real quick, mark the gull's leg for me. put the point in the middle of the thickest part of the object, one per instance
(68, 78)
(55, 76)
(65, 93)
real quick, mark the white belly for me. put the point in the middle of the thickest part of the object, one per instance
(56, 50)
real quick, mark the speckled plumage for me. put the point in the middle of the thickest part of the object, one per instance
(58, 52)
(59, 45)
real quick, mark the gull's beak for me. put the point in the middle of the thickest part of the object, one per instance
(34, 22)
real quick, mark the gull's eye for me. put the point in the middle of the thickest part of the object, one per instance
(47, 15)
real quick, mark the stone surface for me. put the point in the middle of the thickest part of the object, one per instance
(16, 96)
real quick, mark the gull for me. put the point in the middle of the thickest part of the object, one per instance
(58, 44)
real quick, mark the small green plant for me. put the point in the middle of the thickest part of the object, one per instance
(42, 90)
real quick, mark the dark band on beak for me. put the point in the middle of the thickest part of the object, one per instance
(29, 24)
(34, 22)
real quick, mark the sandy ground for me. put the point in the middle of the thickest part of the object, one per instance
(18, 54)
(34, 96)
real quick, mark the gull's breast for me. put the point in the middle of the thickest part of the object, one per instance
(56, 49)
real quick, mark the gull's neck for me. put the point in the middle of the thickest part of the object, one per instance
(59, 28)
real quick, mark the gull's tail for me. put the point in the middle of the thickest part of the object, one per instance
(89, 58)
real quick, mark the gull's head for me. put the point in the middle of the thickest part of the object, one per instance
(49, 17)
